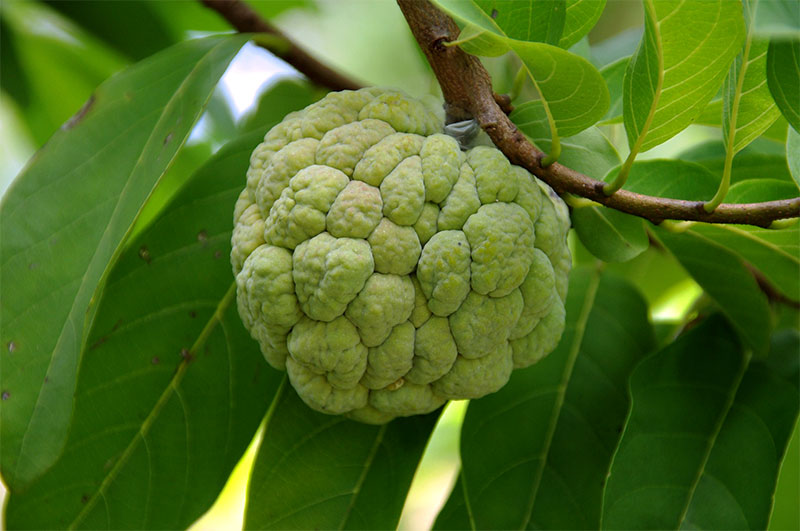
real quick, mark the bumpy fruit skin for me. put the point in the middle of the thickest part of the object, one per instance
(386, 270)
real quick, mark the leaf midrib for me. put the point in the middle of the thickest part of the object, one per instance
(580, 329)
(731, 398)
(98, 288)
(148, 422)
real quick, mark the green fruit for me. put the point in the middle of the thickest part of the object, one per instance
(388, 271)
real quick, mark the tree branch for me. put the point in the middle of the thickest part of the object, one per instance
(467, 91)
(242, 17)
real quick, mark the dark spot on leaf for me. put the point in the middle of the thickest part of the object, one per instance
(54, 241)
(85, 498)
(12, 346)
(99, 342)
(6, 395)
(144, 254)
(104, 338)
(202, 237)
(217, 254)
(46, 379)
(129, 95)
(167, 139)
(155, 360)
(494, 13)
(186, 355)
(81, 114)
(33, 265)
(193, 314)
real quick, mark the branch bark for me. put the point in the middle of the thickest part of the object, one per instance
(242, 17)
(467, 91)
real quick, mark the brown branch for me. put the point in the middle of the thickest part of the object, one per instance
(242, 17)
(467, 91)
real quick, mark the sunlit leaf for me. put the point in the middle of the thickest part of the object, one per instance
(748, 108)
(683, 57)
(696, 405)
(171, 387)
(536, 20)
(588, 152)
(581, 17)
(783, 78)
(327, 472)
(548, 471)
(793, 155)
(481, 35)
(573, 90)
(64, 220)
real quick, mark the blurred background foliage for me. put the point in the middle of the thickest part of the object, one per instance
(53, 53)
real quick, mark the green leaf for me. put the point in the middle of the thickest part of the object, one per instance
(758, 190)
(726, 280)
(535, 454)
(610, 235)
(699, 417)
(748, 108)
(62, 56)
(588, 152)
(581, 17)
(133, 28)
(573, 91)
(747, 164)
(614, 74)
(171, 388)
(776, 253)
(778, 18)
(784, 513)
(656, 274)
(536, 20)
(64, 221)
(679, 66)
(715, 149)
(712, 116)
(327, 472)
(277, 101)
(783, 78)
(793, 155)
(481, 34)
(675, 179)
(612, 49)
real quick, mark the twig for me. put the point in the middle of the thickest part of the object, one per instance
(242, 17)
(467, 91)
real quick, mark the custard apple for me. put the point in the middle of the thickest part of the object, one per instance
(385, 269)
